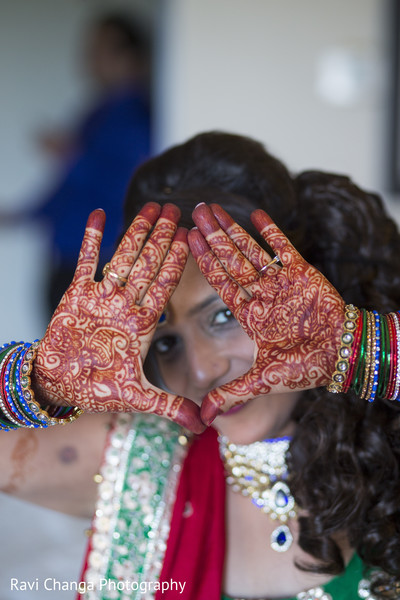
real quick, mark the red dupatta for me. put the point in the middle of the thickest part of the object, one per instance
(196, 543)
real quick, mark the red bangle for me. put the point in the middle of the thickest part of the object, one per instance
(393, 357)
(394, 388)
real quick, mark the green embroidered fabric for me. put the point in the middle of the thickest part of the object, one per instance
(139, 474)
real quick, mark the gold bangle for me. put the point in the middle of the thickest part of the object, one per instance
(345, 350)
(40, 413)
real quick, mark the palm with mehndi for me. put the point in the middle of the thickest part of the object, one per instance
(94, 348)
(293, 314)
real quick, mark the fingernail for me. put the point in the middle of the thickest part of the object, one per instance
(188, 416)
(209, 414)
(222, 216)
(205, 220)
(197, 243)
(199, 204)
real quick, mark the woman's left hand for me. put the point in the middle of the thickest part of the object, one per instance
(293, 314)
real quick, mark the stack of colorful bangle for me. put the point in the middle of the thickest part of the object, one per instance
(368, 360)
(18, 407)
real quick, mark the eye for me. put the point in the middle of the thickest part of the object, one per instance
(165, 345)
(222, 317)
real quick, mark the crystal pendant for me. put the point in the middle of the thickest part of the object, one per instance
(281, 539)
(283, 501)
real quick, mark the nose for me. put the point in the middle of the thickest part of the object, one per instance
(208, 367)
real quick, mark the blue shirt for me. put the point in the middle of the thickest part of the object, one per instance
(112, 141)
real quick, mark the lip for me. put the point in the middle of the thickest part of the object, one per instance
(233, 410)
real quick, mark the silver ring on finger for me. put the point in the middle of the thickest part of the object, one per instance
(272, 262)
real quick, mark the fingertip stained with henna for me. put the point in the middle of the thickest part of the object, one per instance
(224, 220)
(188, 416)
(209, 413)
(181, 235)
(151, 211)
(205, 220)
(260, 219)
(170, 212)
(197, 243)
(97, 219)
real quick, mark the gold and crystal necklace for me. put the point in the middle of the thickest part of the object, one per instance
(259, 471)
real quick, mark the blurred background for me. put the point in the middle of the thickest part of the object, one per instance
(315, 81)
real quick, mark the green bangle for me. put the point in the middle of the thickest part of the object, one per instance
(359, 375)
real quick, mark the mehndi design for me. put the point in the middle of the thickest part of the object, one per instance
(93, 351)
(293, 314)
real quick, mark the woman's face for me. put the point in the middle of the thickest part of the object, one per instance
(200, 346)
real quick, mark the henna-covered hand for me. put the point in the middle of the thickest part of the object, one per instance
(293, 314)
(93, 351)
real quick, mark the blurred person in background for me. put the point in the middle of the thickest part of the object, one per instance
(97, 159)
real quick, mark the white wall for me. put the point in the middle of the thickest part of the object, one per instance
(252, 67)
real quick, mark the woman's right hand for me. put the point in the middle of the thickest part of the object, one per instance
(94, 348)
(292, 312)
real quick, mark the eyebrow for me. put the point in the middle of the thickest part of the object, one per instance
(204, 304)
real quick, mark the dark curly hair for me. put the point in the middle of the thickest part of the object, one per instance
(345, 455)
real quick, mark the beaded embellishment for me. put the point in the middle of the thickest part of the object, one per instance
(317, 593)
(391, 591)
(342, 365)
(259, 471)
(137, 487)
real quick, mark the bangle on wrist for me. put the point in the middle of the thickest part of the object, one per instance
(18, 406)
(343, 362)
(368, 357)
